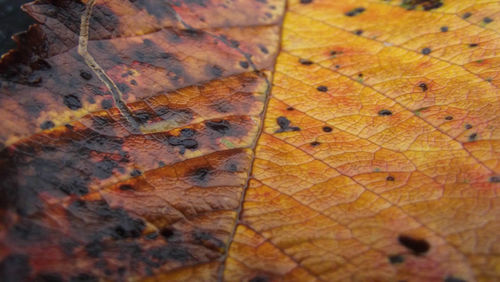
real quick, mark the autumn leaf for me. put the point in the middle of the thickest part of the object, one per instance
(211, 140)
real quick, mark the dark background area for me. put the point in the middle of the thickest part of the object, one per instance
(12, 20)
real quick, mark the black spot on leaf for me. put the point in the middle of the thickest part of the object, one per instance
(417, 246)
(305, 62)
(487, 20)
(390, 178)
(85, 75)
(72, 102)
(327, 129)
(444, 29)
(355, 12)
(221, 126)
(244, 64)
(384, 113)
(322, 88)
(423, 86)
(495, 179)
(472, 137)
(47, 125)
(284, 125)
(426, 51)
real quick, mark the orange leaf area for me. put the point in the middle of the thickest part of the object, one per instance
(263, 140)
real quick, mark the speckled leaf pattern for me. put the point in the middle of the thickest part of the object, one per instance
(252, 140)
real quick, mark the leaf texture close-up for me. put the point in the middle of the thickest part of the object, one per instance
(252, 140)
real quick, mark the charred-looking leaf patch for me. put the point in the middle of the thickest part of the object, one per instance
(426, 5)
(416, 245)
(28, 230)
(284, 125)
(495, 179)
(390, 178)
(15, 267)
(102, 221)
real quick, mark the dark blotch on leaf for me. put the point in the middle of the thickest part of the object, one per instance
(135, 173)
(355, 12)
(85, 75)
(468, 126)
(423, 86)
(259, 278)
(315, 143)
(453, 279)
(417, 246)
(448, 117)
(472, 45)
(472, 137)
(201, 174)
(444, 29)
(306, 1)
(72, 102)
(84, 277)
(495, 179)
(327, 129)
(284, 124)
(214, 70)
(487, 20)
(263, 49)
(94, 249)
(426, 51)
(221, 126)
(395, 259)
(15, 267)
(126, 187)
(384, 113)
(106, 104)
(167, 232)
(244, 64)
(49, 277)
(466, 15)
(47, 125)
(390, 178)
(290, 109)
(358, 31)
(305, 62)
(322, 88)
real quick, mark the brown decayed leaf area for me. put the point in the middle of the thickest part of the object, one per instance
(212, 140)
